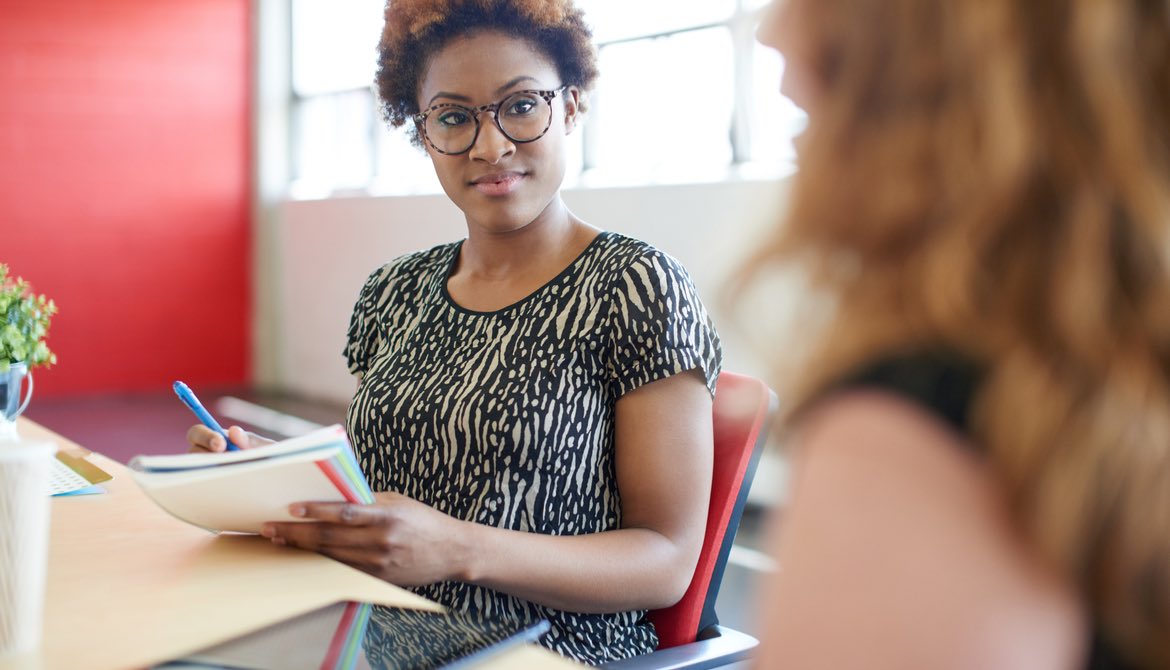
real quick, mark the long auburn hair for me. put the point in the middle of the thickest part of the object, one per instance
(992, 178)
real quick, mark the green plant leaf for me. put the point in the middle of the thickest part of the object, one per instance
(24, 323)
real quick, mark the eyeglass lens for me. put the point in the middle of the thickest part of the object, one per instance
(522, 116)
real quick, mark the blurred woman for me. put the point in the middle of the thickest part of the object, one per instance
(982, 432)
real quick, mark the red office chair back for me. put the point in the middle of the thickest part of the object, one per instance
(743, 408)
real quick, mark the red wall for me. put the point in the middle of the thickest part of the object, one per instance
(124, 183)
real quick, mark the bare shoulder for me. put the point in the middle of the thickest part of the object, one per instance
(884, 443)
(897, 550)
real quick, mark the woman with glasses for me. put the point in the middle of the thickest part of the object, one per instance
(982, 439)
(534, 401)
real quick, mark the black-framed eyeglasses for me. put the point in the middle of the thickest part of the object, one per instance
(523, 116)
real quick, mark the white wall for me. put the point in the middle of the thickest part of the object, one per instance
(325, 249)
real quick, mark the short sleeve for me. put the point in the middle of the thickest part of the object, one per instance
(660, 327)
(362, 339)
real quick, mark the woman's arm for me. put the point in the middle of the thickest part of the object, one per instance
(897, 551)
(664, 451)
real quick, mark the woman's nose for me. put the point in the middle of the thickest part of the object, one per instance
(491, 145)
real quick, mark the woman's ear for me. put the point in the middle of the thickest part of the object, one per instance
(574, 107)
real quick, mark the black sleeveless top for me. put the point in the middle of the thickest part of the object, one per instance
(945, 386)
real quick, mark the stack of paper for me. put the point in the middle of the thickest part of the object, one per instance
(240, 490)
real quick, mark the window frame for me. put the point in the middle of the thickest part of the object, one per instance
(740, 24)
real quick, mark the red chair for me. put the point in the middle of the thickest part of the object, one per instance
(689, 632)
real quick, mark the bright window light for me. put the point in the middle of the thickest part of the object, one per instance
(684, 95)
(334, 45)
(612, 20)
(663, 108)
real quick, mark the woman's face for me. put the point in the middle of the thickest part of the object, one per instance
(782, 28)
(500, 185)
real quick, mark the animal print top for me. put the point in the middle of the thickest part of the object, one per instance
(506, 418)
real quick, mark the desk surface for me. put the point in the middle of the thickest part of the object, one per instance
(129, 586)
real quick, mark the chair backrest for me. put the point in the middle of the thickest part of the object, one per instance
(744, 406)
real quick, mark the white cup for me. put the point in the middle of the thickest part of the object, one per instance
(24, 542)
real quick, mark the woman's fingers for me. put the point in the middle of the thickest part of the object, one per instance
(357, 557)
(322, 536)
(349, 514)
(245, 440)
(396, 538)
(202, 438)
(333, 525)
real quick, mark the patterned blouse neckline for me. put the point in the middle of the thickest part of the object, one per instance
(457, 247)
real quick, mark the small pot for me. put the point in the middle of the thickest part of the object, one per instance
(11, 404)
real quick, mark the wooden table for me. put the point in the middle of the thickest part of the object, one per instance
(129, 586)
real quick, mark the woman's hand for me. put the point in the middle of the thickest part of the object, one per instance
(396, 538)
(664, 452)
(202, 439)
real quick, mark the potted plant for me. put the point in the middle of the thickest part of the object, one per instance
(24, 324)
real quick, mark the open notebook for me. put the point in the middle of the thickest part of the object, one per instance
(238, 491)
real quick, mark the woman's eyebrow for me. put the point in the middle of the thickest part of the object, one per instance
(515, 81)
(445, 94)
(463, 98)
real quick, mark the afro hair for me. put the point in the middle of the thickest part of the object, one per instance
(416, 29)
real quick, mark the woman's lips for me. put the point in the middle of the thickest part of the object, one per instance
(497, 184)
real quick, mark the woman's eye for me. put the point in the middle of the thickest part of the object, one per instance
(452, 118)
(521, 107)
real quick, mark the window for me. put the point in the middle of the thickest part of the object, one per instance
(685, 94)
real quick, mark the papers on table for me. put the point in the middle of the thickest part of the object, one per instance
(80, 478)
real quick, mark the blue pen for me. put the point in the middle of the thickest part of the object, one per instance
(188, 397)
